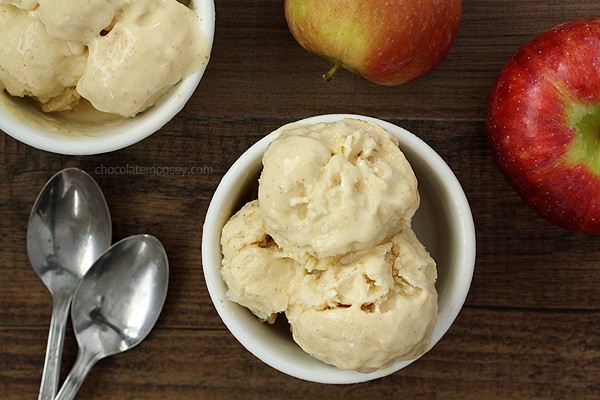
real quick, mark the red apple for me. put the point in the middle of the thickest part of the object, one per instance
(543, 124)
(387, 42)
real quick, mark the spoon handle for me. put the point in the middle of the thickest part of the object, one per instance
(54, 348)
(83, 364)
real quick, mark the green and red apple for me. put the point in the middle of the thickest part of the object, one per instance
(389, 42)
(543, 124)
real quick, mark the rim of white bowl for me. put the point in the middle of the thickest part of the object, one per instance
(211, 256)
(138, 128)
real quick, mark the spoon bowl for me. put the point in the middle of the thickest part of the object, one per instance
(117, 303)
(69, 228)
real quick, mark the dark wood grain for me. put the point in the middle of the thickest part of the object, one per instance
(486, 354)
(270, 74)
(530, 326)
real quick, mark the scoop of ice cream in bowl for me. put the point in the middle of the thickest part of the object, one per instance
(96, 76)
(339, 248)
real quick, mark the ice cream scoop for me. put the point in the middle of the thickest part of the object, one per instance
(364, 314)
(330, 189)
(35, 64)
(69, 228)
(259, 275)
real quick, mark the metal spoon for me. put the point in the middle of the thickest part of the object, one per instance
(117, 304)
(69, 228)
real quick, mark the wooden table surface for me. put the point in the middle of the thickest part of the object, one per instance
(530, 327)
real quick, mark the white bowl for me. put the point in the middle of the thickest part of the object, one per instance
(443, 223)
(24, 122)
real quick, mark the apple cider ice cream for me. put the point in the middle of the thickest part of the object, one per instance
(329, 243)
(120, 55)
(375, 309)
(330, 189)
(34, 64)
(259, 274)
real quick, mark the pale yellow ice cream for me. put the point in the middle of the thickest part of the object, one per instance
(369, 312)
(329, 189)
(329, 243)
(80, 22)
(34, 64)
(259, 275)
(120, 55)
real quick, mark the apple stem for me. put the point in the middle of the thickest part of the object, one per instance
(332, 71)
